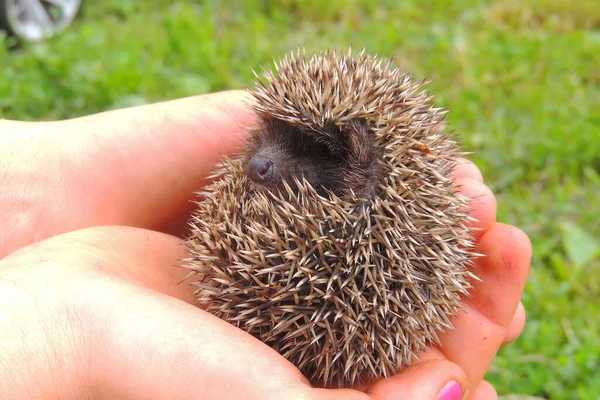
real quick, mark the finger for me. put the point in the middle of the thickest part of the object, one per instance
(517, 324)
(140, 166)
(481, 327)
(484, 391)
(503, 273)
(436, 379)
(466, 169)
(483, 205)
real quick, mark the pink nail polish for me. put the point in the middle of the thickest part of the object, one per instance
(451, 391)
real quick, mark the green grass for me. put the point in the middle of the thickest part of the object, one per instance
(521, 78)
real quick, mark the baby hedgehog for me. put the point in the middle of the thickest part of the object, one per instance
(338, 237)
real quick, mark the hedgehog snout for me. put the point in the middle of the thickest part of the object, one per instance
(261, 170)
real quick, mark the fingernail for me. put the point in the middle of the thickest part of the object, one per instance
(451, 391)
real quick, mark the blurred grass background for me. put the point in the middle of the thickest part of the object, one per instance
(521, 78)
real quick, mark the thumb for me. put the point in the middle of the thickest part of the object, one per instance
(428, 380)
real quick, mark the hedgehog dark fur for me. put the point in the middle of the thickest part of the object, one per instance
(338, 238)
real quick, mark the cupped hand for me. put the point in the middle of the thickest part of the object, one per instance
(90, 301)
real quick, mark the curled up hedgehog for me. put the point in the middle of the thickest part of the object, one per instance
(337, 237)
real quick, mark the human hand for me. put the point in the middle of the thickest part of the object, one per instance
(96, 312)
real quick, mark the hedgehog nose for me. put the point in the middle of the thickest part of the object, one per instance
(261, 169)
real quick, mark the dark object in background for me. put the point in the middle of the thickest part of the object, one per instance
(37, 20)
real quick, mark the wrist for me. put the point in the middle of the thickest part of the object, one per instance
(32, 173)
(39, 351)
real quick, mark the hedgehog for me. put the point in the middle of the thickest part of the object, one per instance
(337, 236)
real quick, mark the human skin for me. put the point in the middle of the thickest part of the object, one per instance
(93, 212)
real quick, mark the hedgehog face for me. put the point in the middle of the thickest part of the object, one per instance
(333, 161)
(279, 152)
